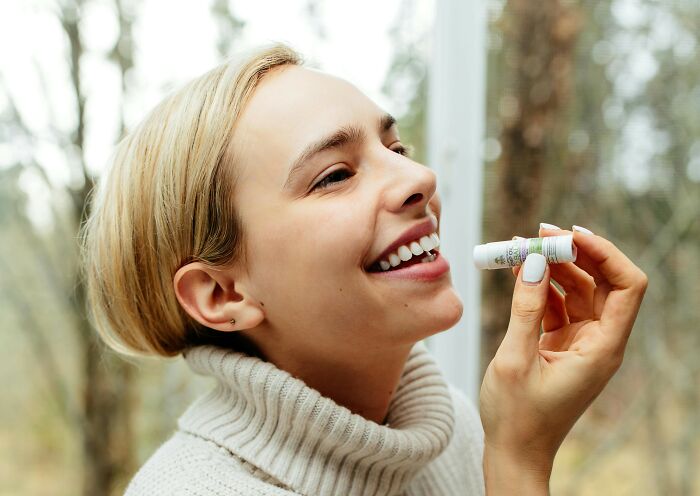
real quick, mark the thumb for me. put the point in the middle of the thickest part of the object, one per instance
(527, 310)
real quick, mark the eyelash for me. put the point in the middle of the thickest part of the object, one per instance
(322, 184)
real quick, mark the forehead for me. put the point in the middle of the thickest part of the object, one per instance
(293, 106)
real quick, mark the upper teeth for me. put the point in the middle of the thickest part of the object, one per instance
(414, 248)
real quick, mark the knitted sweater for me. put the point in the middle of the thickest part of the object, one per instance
(262, 431)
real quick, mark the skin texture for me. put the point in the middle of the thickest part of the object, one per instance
(304, 298)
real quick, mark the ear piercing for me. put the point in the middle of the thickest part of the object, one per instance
(233, 321)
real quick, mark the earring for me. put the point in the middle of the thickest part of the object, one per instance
(233, 321)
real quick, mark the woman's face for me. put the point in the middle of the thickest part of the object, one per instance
(311, 238)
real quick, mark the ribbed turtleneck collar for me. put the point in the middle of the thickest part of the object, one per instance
(307, 441)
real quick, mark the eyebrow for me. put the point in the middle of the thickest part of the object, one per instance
(344, 136)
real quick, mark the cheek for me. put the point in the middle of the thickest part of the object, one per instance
(435, 204)
(312, 262)
(334, 235)
(312, 247)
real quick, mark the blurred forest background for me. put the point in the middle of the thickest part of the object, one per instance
(593, 118)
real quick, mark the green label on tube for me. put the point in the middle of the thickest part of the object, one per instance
(535, 246)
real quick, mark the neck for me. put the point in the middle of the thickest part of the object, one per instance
(364, 385)
(363, 382)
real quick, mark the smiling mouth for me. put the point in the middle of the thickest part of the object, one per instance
(425, 257)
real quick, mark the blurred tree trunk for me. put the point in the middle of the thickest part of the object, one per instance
(539, 40)
(107, 439)
(108, 401)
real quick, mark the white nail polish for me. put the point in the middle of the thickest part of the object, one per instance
(582, 229)
(544, 225)
(534, 267)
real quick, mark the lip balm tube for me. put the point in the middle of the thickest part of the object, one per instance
(505, 254)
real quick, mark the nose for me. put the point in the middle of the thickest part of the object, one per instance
(411, 187)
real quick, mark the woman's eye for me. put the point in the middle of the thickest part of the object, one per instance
(326, 181)
(401, 150)
(337, 175)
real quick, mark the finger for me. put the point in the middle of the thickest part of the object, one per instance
(515, 269)
(602, 285)
(585, 299)
(619, 282)
(521, 341)
(578, 285)
(555, 316)
(585, 286)
(560, 339)
(579, 288)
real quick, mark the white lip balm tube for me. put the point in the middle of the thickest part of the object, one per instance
(504, 254)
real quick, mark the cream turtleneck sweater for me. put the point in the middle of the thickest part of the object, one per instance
(263, 432)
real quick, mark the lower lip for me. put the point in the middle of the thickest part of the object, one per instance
(424, 271)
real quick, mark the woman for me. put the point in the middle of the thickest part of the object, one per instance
(253, 223)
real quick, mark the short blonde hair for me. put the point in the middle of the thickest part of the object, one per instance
(167, 200)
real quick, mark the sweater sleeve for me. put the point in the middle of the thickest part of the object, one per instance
(458, 471)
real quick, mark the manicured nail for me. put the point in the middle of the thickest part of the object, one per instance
(582, 229)
(533, 268)
(544, 225)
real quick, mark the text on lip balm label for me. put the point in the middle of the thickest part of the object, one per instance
(502, 254)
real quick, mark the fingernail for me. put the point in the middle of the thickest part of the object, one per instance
(582, 229)
(518, 237)
(544, 225)
(533, 268)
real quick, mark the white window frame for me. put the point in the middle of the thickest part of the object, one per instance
(456, 111)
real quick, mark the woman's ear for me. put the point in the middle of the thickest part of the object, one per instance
(213, 298)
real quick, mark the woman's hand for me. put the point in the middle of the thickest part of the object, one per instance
(537, 386)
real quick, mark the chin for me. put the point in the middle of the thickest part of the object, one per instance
(438, 316)
(451, 314)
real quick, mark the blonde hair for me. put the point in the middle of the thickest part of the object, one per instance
(166, 201)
